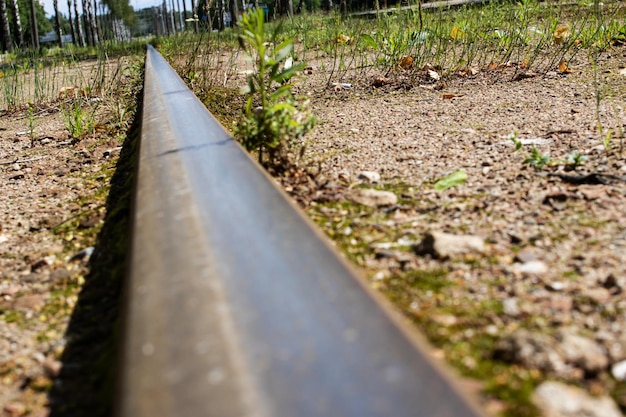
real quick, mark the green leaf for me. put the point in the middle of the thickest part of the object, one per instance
(288, 73)
(280, 92)
(284, 49)
(369, 40)
(452, 180)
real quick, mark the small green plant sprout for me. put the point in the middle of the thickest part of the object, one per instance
(275, 121)
(575, 160)
(79, 119)
(518, 143)
(32, 124)
(456, 178)
(536, 159)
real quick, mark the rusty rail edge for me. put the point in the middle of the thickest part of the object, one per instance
(235, 304)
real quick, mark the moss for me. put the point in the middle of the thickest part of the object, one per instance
(226, 104)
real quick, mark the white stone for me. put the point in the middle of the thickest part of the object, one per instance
(370, 176)
(533, 267)
(445, 245)
(556, 399)
(372, 198)
(619, 371)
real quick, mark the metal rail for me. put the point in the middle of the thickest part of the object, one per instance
(235, 304)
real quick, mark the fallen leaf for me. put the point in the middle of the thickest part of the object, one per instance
(492, 65)
(406, 62)
(452, 180)
(457, 33)
(380, 81)
(561, 33)
(449, 96)
(524, 64)
(344, 39)
(563, 68)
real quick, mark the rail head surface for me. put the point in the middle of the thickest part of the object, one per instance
(235, 306)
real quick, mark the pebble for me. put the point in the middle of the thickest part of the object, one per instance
(533, 268)
(52, 367)
(372, 198)
(370, 176)
(444, 245)
(556, 399)
(583, 352)
(618, 370)
(510, 307)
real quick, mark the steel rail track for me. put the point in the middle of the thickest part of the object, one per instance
(236, 306)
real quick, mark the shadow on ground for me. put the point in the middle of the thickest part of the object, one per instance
(85, 386)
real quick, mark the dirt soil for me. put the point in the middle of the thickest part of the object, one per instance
(54, 204)
(539, 294)
(540, 297)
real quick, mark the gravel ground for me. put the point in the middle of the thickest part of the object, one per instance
(53, 205)
(523, 293)
(527, 283)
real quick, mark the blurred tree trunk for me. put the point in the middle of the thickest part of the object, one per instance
(234, 12)
(34, 31)
(220, 14)
(57, 22)
(194, 15)
(7, 43)
(18, 32)
(173, 16)
(94, 21)
(185, 25)
(79, 29)
(71, 21)
(180, 17)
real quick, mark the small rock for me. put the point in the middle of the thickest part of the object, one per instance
(599, 295)
(16, 167)
(18, 175)
(556, 286)
(370, 176)
(510, 307)
(533, 268)
(526, 255)
(59, 274)
(372, 198)
(619, 371)
(444, 245)
(556, 399)
(9, 289)
(583, 352)
(30, 302)
(52, 367)
(84, 254)
(15, 409)
(534, 350)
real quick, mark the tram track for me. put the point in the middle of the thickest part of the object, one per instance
(235, 305)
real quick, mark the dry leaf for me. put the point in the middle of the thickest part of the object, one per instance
(492, 65)
(561, 33)
(406, 62)
(344, 39)
(524, 64)
(456, 33)
(449, 96)
(563, 68)
(380, 81)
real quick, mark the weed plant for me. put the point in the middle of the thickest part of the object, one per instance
(274, 122)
